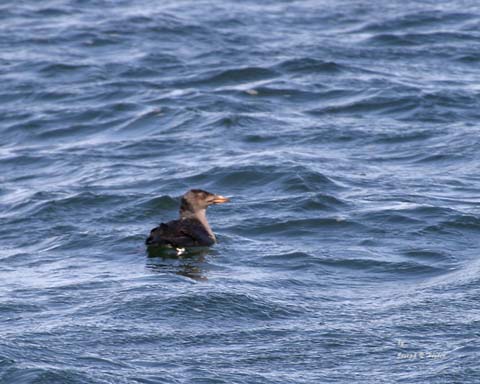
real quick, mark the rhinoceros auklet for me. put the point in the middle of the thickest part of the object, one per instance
(192, 229)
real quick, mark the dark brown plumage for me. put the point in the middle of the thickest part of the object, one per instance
(192, 229)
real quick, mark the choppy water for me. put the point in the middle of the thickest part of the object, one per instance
(346, 134)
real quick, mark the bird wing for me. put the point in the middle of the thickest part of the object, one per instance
(197, 232)
(180, 233)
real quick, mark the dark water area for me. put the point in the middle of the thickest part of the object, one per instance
(346, 134)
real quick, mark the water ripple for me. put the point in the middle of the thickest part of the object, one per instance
(345, 134)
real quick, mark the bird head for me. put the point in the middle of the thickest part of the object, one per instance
(197, 200)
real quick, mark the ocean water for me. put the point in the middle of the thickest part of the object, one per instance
(346, 134)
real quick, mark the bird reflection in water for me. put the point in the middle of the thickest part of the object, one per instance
(189, 263)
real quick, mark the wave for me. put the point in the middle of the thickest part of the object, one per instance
(219, 305)
(309, 64)
(443, 106)
(418, 20)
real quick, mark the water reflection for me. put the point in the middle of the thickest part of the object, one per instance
(189, 263)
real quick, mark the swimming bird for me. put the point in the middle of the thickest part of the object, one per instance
(192, 228)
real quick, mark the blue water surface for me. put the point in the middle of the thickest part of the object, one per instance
(346, 134)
